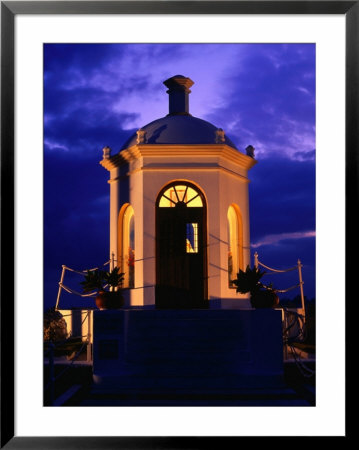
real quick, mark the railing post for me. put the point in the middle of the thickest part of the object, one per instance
(256, 260)
(51, 373)
(60, 287)
(301, 287)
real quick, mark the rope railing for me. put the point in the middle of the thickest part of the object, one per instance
(83, 272)
(298, 267)
(296, 319)
(303, 369)
(277, 270)
(294, 323)
(282, 291)
(292, 319)
(79, 272)
(72, 291)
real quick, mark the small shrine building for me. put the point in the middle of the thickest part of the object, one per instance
(179, 210)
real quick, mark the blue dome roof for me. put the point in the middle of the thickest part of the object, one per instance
(178, 129)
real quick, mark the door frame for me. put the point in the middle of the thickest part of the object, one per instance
(204, 230)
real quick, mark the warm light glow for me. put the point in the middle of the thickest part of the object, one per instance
(128, 247)
(235, 244)
(180, 193)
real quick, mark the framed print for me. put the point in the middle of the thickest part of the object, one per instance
(166, 220)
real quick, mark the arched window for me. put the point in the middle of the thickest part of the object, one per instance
(235, 243)
(128, 246)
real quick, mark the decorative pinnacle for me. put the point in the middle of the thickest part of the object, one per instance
(141, 136)
(106, 153)
(250, 151)
(220, 138)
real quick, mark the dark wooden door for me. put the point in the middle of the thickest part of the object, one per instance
(181, 257)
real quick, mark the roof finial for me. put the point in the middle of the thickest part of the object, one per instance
(106, 153)
(141, 136)
(250, 151)
(220, 138)
(178, 91)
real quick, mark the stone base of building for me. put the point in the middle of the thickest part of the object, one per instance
(196, 350)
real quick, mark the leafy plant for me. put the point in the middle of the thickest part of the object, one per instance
(55, 328)
(249, 281)
(101, 280)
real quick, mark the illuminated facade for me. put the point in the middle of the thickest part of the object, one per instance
(179, 212)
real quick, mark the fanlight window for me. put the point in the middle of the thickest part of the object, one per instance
(185, 195)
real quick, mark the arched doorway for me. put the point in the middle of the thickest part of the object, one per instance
(181, 247)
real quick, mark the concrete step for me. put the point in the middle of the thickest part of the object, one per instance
(176, 381)
(192, 402)
(269, 396)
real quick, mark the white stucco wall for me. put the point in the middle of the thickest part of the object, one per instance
(114, 210)
(233, 190)
(223, 181)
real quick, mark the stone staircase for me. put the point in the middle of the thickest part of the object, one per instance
(186, 352)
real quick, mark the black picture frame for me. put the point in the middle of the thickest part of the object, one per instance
(9, 10)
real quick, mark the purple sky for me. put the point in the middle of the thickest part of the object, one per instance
(99, 94)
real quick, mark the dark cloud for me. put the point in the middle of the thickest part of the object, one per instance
(76, 197)
(305, 155)
(272, 98)
(64, 58)
(282, 200)
(282, 197)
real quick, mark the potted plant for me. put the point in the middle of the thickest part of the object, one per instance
(108, 286)
(261, 296)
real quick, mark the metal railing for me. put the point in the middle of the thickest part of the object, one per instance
(50, 386)
(62, 286)
(300, 276)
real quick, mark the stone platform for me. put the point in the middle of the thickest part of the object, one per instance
(202, 351)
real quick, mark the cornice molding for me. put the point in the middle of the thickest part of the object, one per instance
(174, 151)
(113, 162)
(182, 168)
(195, 169)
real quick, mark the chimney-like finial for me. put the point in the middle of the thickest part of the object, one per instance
(178, 91)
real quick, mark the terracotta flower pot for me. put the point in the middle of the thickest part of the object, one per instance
(264, 299)
(109, 300)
